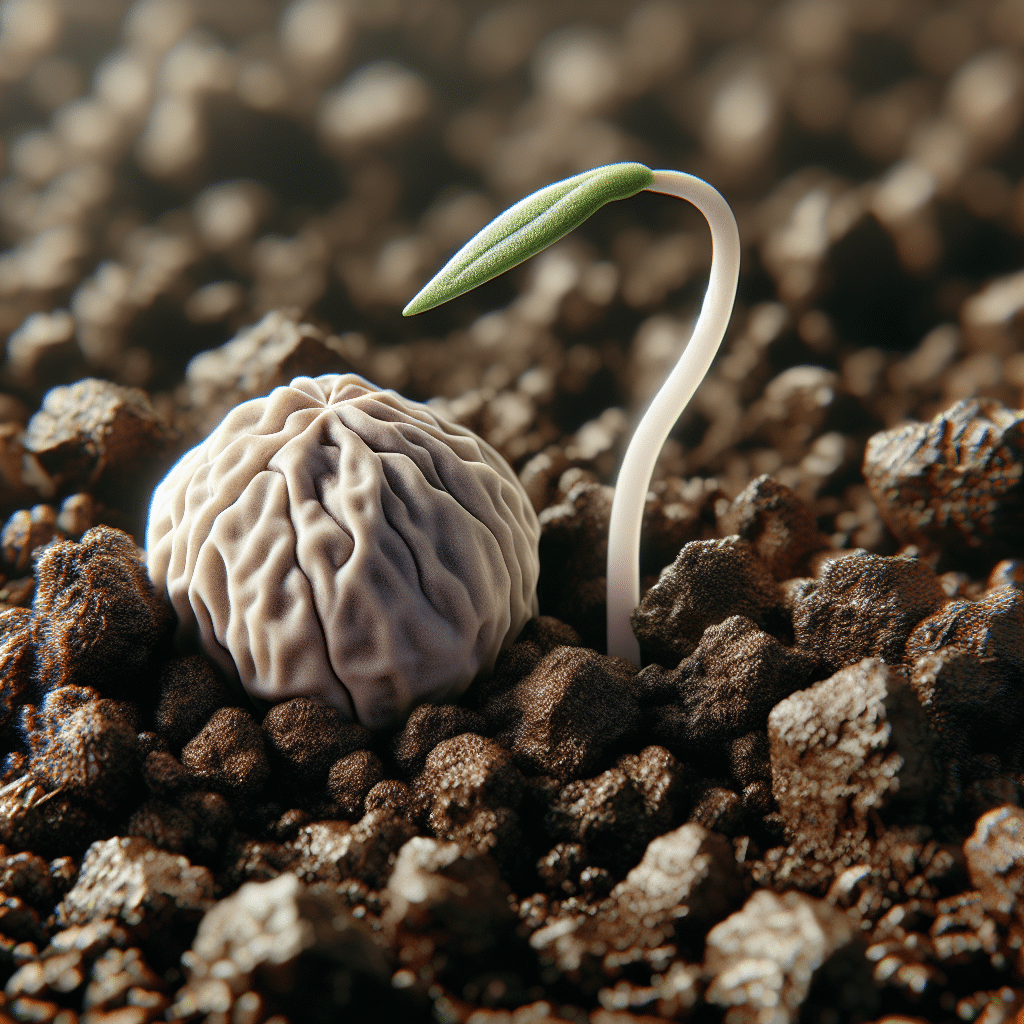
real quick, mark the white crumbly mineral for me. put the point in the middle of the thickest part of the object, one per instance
(339, 542)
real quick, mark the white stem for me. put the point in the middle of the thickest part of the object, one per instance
(638, 464)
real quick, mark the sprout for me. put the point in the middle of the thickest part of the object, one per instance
(532, 225)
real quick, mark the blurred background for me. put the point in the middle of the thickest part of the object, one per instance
(174, 171)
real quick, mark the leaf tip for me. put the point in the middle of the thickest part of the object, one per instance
(426, 298)
(529, 226)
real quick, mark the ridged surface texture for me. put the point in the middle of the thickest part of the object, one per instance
(339, 542)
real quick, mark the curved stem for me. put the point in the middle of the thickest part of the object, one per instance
(638, 464)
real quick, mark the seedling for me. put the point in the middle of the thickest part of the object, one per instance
(535, 223)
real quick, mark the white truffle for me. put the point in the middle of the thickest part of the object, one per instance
(337, 541)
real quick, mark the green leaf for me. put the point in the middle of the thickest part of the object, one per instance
(528, 227)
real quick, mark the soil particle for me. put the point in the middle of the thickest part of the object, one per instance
(350, 780)
(229, 755)
(954, 484)
(613, 816)
(567, 715)
(277, 945)
(459, 898)
(333, 851)
(469, 792)
(429, 725)
(23, 535)
(974, 705)
(165, 825)
(190, 690)
(46, 822)
(777, 524)
(709, 581)
(165, 775)
(17, 661)
(865, 606)
(721, 809)
(724, 689)
(963, 933)
(96, 619)
(304, 739)
(991, 629)
(687, 873)
(270, 353)
(82, 747)
(574, 550)
(686, 881)
(129, 879)
(995, 860)
(850, 751)
(98, 436)
(765, 959)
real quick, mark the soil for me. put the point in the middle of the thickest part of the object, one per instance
(806, 804)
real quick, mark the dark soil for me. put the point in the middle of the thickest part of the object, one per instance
(805, 806)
